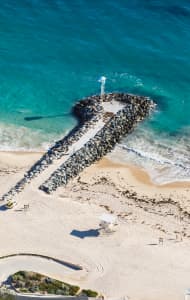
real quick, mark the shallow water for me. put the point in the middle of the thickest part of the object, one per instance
(52, 54)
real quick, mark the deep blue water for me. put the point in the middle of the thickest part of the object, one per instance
(52, 54)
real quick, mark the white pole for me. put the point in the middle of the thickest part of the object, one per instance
(103, 82)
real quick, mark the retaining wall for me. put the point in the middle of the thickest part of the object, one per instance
(59, 261)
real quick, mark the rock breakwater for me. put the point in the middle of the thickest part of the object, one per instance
(88, 112)
(104, 141)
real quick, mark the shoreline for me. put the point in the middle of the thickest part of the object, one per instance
(141, 176)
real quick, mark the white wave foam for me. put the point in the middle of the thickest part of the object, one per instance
(157, 158)
(165, 158)
(20, 138)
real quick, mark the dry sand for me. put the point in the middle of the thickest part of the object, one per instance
(128, 263)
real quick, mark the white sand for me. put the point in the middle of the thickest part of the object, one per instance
(128, 263)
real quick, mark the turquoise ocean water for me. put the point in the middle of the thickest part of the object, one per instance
(52, 53)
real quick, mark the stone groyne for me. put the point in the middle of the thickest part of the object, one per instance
(88, 112)
(136, 109)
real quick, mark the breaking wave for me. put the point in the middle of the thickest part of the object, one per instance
(20, 138)
(165, 158)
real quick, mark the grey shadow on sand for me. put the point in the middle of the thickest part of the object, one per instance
(85, 233)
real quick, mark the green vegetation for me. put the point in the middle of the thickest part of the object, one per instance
(89, 293)
(30, 282)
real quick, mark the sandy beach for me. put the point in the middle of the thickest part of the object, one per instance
(129, 263)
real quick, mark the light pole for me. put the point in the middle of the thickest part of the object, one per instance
(103, 82)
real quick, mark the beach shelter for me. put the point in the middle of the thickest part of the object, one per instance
(108, 222)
